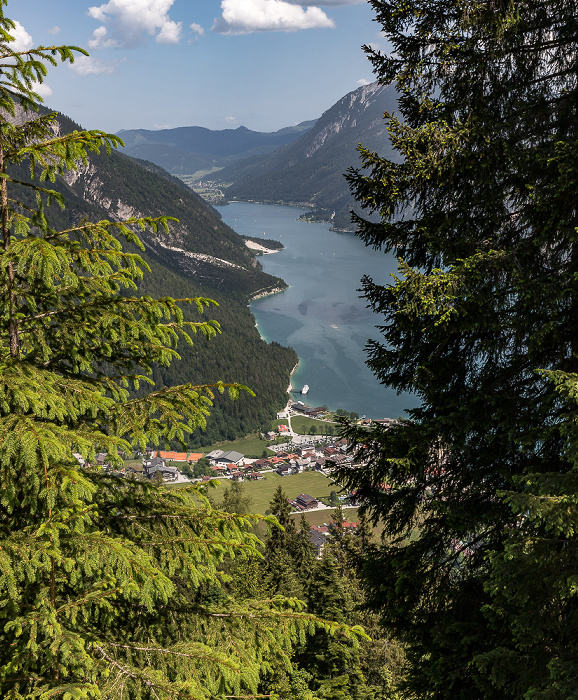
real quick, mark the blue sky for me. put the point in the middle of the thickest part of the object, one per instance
(264, 64)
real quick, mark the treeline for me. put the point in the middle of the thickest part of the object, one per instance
(237, 354)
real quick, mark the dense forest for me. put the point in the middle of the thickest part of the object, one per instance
(477, 575)
(110, 588)
(120, 588)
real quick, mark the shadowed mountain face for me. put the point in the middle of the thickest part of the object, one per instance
(200, 256)
(188, 149)
(310, 169)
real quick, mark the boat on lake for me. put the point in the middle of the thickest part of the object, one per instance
(305, 389)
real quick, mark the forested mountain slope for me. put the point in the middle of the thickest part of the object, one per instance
(201, 256)
(310, 170)
(187, 149)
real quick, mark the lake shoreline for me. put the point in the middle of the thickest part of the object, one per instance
(320, 314)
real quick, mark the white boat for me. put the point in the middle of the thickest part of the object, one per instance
(305, 389)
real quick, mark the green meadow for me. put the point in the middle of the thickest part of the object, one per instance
(313, 483)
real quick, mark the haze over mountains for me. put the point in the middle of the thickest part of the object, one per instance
(301, 165)
(189, 149)
(310, 170)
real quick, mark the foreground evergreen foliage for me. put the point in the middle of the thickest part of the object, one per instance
(108, 588)
(325, 665)
(482, 325)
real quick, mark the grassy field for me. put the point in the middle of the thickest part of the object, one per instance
(276, 423)
(321, 517)
(313, 483)
(249, 445)
(302, 424)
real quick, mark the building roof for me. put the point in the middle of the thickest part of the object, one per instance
(232, 456)
(306, 499)
(155, 462)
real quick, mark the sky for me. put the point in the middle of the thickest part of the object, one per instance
(263, 64)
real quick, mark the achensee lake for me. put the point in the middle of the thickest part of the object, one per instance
(321, 314)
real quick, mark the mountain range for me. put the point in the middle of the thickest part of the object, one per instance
(189, 149)
(200, 256)
(302, 165)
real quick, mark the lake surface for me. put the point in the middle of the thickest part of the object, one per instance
(321, 314)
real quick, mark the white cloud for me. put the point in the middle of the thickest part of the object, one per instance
(246, 16)
(22, 40)
(131, 19)
(363, 81)
(231, 121)
(170, 33)
(54, 30)
(87, 65)
(100, 39)
(197, 29)
(42, 89)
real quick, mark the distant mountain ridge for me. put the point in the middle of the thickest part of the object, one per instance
(310, 169)
(188, 149)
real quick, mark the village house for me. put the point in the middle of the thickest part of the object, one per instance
(318, 541)
(320, 529)
(157, 464)
(262, 464)
(305, 502)
(330, 450)
(302, 464)
(335, 460)
(346, 525)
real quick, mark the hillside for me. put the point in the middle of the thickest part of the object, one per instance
(189, 149)
(200, 256)
(310, 170)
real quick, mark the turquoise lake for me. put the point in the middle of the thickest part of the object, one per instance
(321, 314)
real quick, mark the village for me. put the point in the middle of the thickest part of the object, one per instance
(290, 454)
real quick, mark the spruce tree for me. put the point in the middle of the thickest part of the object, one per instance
(109, 587)
(481, 325)
(304, 551)
(280, 567)
(333, 661)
